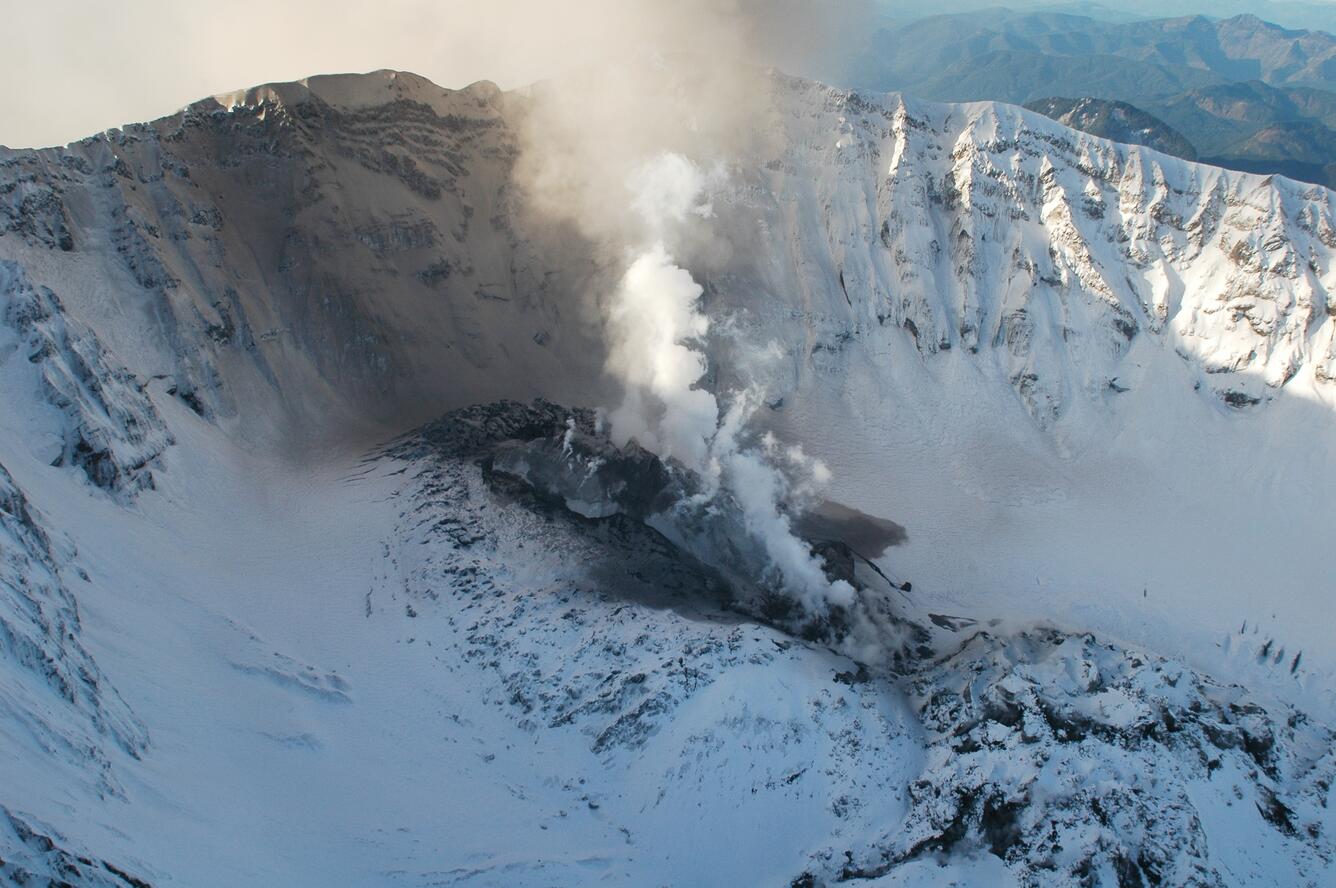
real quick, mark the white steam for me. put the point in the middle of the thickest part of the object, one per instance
(607, 152)
(656, 329)
(654, 322)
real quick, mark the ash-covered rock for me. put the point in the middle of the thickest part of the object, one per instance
(591, 476)
(473, 431)
(111, 430)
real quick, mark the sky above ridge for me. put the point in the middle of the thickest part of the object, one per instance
(82, 66)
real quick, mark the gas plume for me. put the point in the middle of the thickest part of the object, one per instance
(634, 152)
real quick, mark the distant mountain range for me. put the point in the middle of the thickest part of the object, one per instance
(1240, 92)
(1313, 14)
(1178, 53)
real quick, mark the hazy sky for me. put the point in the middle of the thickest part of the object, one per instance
(81, 66)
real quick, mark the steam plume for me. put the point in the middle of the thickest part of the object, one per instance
(654, 319)
(656, 326)
(634, 154)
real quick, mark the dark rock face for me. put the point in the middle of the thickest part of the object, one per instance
(867, 535)
(472, 432)
(263, 238)
(34, 211)
(590, 476)
(557, 455)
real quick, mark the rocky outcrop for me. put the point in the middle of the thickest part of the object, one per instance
(32, 853)
(1016, 724)
(109, 428)
(44, 656)
(32, 209)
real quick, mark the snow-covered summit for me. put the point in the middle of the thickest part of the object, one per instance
(351, 91)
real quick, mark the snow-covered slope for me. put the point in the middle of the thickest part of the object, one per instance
(1090, 380)
(489, 689)
(982, 227)
(244, 640)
